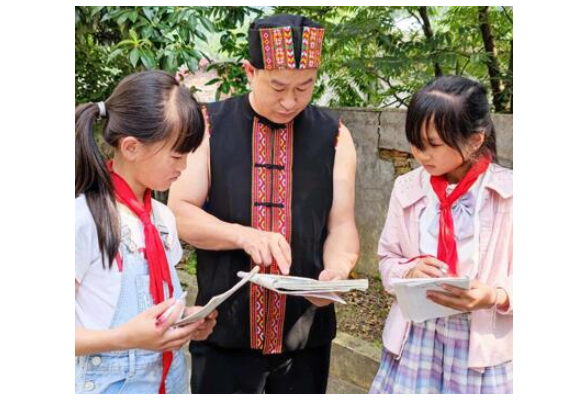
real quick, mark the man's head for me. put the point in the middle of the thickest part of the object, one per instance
(284, 54)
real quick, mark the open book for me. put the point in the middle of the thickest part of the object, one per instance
(298, 286)
(216, 300)
(412, 297)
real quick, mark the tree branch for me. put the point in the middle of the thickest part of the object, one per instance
(429, 35)
(505, 11)
(508, 87)
(492, 62)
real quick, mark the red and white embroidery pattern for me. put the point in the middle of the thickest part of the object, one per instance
(271, 204)
(312, 43)
(277, 48)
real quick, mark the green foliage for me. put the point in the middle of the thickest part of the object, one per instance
(112, 41)
(372, 56)
(378, 56)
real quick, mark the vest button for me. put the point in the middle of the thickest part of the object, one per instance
(89, 386)
(96, 361)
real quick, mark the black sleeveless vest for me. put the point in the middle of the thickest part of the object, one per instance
(288, 188)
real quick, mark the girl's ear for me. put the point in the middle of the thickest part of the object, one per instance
(475, 141)
(130, 148)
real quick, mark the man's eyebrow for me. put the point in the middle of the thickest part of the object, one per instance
(311, 80)
(279, 83)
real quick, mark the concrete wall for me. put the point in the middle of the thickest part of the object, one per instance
(383, 154)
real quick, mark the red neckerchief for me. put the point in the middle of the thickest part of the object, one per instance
(447, 246)
(154, 251)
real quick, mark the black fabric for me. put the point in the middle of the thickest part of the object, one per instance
(315, 132)
(296, 22)
(217, 370)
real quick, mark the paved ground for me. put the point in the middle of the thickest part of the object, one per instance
(339, 386)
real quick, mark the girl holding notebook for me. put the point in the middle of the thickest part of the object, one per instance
(458, 207)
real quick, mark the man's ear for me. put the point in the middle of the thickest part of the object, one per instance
(249, 70)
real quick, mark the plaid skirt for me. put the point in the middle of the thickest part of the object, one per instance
(435, 360)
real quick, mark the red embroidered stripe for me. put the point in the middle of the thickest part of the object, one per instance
(277, 48)
(312, 43)
(270, 186)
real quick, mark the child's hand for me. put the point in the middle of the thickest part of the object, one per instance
(206, 325)
(428, 267)
(148, 331)
(480, 296)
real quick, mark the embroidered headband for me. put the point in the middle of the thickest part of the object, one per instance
(285, 42)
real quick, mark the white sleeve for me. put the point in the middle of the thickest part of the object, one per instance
(169, 219)
(176, 246)
(177, 252)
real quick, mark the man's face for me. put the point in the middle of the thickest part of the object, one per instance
(280, 95)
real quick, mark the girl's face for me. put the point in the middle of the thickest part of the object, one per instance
(439, 159)
(155, 166)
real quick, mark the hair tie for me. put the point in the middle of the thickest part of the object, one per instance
(102, 108)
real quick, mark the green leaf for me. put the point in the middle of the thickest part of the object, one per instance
(134, 56)
(133, 16)
(147, 31)
(148, 59)
(96, 10)
(148, 11)
(114, 54)
(207, 24)
(121, 20)
(171, 63)
(134, 35)
(212, 81)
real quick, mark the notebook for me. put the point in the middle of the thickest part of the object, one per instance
(216, 300)
(412, 297)
(298, 286)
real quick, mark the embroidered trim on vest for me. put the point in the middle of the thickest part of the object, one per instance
(271, 211)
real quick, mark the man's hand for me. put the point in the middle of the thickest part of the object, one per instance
(326, 275)
(265, 247)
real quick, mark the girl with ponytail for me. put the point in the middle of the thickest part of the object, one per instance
(127, 245)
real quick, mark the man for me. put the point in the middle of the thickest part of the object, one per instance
(273, 184)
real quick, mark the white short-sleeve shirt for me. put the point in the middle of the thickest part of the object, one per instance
(99, 287)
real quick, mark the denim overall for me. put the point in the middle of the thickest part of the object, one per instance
(137, 370)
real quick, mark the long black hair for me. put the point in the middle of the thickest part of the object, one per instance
(150, 106)
(458, 108)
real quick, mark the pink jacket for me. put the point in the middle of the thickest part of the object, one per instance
(491, 331)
